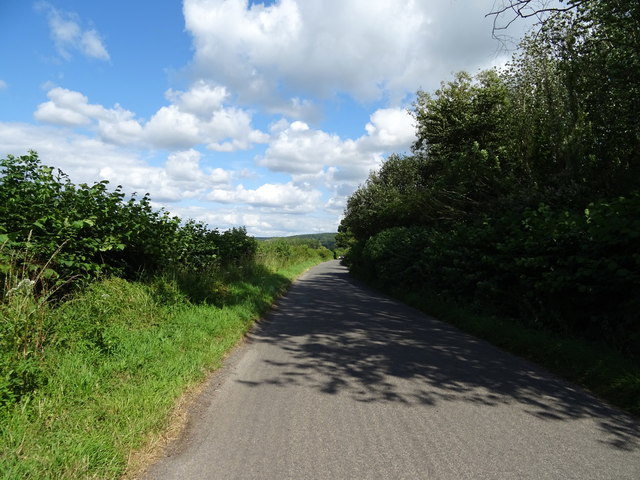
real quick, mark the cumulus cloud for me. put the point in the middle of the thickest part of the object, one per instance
(196, 116)
(69, 36)
(200, 100)
(282, 197)
(314, 157)
(261, 222)
(390, 129)
(170, 127)
(369, 50)
(269, 209)
(88, 159)
(297, 149)
(66, 107)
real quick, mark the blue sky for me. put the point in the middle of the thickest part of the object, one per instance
(266, 115)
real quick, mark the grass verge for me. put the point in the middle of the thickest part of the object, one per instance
(124, 357)
(597, 367)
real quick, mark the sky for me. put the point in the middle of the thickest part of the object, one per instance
(266, 115)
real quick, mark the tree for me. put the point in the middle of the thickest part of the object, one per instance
(575, 90)
(460, 132)
(509, 11)
(522, 192)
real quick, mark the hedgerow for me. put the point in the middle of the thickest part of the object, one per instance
(522, 191)
(57, 239)
(85, 231)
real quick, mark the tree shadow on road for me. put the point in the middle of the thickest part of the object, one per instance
(344, 338)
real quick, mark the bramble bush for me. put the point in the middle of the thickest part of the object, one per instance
(69, 253)
(93, 231)
(58, 238)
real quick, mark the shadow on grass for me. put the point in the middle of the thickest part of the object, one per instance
(344, 338)
(229, 286)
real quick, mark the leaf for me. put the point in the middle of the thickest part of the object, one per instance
(49, 273)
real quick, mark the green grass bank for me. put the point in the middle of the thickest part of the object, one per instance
(117, 359)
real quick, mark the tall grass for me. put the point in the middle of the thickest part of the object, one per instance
(102, 371)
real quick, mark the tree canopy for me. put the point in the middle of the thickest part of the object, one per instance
(522, 189)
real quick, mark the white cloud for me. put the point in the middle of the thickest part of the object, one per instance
(282, 197)
(317, 158)
(369, 50)
(230, 129)
(260, 222)
(88, 159)
(390, 130)
(185, 167)
(3, 85)
(120, 127)
(68, 35)
(201, 100)
(66, 107)
(195, 117)
(296, 149)
(171, 128)
(49, 112)
(92, 46)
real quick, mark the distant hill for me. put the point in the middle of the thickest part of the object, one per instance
(327, 240)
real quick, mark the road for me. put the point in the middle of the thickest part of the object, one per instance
(340, 382)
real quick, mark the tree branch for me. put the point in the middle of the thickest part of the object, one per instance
(523, 9)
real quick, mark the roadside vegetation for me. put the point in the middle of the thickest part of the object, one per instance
(109, 311)
(327, 240)
(520, 202)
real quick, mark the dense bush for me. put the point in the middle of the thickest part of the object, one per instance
(522, 191)
(84, 231)
(279, 252)
(57, 238)
(578, 273)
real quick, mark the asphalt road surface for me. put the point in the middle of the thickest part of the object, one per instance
(340, 382)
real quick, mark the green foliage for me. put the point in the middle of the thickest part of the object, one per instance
(522, 192)
(86, 380)
(121, 362)
(56, 238)
(574, 273)
(94, 232)
(314, 240)
(279, 252)
(23, 334)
